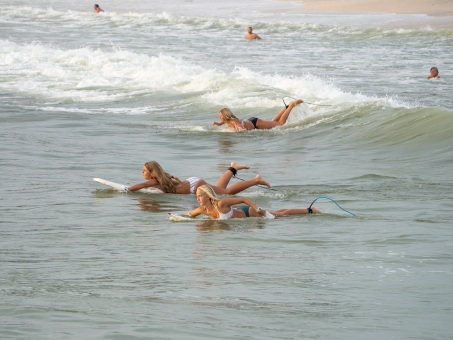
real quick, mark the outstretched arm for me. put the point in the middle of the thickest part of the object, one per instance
(232, 124)
(225, 204)
(147, 184)
(195, 212)
(254, 210)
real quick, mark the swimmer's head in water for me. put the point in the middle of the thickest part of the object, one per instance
(434, 71)
(226, 115)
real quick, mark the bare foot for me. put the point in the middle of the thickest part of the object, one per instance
(297, 102)
(262, 181)
(239, 166)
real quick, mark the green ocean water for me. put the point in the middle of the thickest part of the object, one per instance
(86, 95)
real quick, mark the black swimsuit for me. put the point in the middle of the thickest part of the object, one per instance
(253, 120)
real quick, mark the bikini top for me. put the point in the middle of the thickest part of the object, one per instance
(192, 183)
(226, 216)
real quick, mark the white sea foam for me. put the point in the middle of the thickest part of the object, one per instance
(85, 95)
(86, 75)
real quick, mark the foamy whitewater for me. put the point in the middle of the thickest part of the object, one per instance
(88, 95)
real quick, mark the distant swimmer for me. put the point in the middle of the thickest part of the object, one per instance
(222, 208)
(250, 35)
(156, 177)
(98, 9)
(434, 73)
(227, 117)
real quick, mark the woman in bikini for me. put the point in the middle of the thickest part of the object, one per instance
(156, 177)
(221, 209)
(227, 117)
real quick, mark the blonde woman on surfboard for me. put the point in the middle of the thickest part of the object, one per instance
(222, 208)
(227, 117)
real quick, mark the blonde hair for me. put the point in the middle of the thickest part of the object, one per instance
(166, 181)
(208, 190)
(227, 115)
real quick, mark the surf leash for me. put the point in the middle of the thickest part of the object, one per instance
(328, 198)
(286, 105)
(261, 186)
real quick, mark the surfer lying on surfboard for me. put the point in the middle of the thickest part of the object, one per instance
(227, 117)
(221, 208)
(156, 177)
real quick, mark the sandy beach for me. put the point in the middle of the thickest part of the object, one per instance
(433, 13)
(430, 7)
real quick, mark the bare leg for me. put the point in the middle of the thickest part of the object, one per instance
(280, 118)
(288, 212)
(279, 114)
(283, 116)
(241, 186)
(225, 178)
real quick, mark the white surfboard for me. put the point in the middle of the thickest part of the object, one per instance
(122, 187)
(179, 218)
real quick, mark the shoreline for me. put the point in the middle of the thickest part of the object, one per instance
(438, 13)
(428, 7)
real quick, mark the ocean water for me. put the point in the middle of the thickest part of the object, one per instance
(85, 95)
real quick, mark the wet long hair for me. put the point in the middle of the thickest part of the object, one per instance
(167, 182)
(227, 115)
